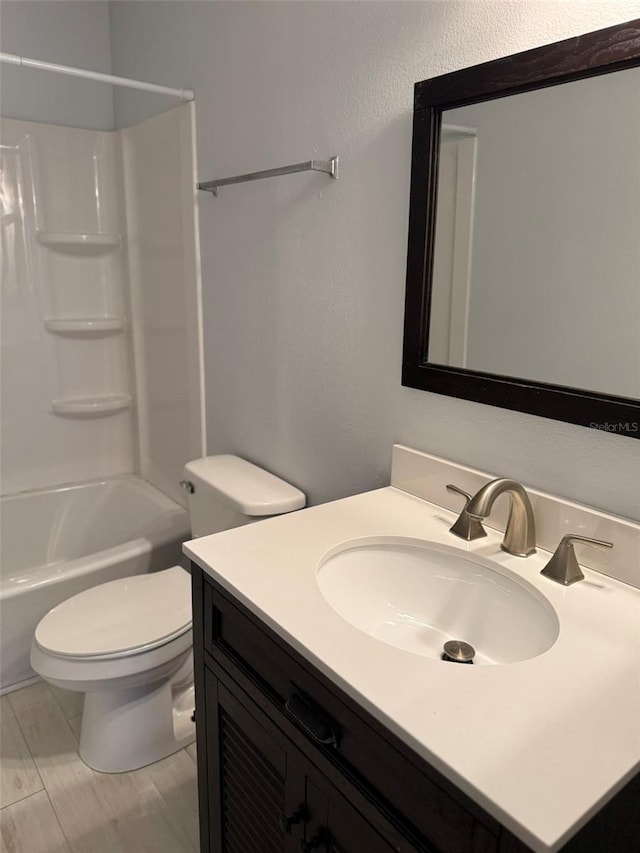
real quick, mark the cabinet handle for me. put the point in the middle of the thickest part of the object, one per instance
(320, 728)
(286, 822)
(318, 842)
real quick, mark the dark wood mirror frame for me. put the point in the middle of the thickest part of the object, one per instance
(600, 52)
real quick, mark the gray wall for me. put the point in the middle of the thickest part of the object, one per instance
(303, 276)
(66, 32)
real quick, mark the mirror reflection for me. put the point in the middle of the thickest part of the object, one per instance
(537, 245)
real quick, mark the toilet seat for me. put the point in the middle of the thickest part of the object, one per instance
(120, 618)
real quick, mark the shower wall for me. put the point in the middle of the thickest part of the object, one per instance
(66, 370)
(99, 348)
(159, 167)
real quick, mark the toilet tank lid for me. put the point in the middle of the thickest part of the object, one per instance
(243, 486)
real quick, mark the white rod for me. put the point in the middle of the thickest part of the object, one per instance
(24, 62)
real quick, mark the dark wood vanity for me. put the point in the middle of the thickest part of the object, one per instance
(288, 762)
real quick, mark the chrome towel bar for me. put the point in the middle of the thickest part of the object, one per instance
(328, 166)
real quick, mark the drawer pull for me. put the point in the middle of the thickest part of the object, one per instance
(317, 843)
(286, 822)
(319, 728)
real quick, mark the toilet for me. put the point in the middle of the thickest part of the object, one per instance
(127, 644)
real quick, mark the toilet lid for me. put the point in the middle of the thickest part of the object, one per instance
(120, 617)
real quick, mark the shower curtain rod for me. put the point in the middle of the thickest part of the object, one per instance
(24, 62)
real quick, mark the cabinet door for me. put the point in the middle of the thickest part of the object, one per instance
(264, 795)
(350, 833)
(256, 787)
(335, 826)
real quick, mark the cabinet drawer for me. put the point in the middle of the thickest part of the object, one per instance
(362, 748)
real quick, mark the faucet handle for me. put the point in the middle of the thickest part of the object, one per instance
(466, 527)
(458, 491)
(563, 566)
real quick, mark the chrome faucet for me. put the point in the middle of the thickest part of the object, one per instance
(520, 535)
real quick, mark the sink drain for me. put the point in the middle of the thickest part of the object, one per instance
(457, 651)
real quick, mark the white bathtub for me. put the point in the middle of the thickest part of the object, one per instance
(57, 542)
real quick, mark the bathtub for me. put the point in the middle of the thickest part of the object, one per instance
(57, 542)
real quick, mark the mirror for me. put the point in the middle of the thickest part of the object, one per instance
(523, 272)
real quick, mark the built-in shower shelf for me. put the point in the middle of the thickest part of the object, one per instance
(79, 243)
(91, 407)
(85, 327)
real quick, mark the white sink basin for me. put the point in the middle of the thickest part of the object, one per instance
(417, 595)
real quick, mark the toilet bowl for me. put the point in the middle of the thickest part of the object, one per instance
(127, 644)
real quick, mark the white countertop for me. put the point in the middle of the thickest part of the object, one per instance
(541, 744)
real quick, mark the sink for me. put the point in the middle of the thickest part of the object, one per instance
(417, 595)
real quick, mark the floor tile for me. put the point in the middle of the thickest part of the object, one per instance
(70, 701)
(151, 810)
(175, 780)
(31, 826)
(147, 822)
(68, 781)
(75, 724)
(37, 694)
(18, 775)
(191, 749)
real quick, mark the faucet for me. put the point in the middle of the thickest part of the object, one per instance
(520, 535)
(465, 527)
(563, 566)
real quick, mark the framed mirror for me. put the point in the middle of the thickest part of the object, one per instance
(523, 267)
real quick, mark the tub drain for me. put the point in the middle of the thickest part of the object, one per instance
(457, 651)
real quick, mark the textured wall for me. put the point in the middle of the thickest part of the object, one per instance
(67, 32)
(304, 277)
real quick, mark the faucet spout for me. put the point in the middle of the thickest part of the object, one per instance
(520, 535)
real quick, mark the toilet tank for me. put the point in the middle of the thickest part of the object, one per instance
(227, 491)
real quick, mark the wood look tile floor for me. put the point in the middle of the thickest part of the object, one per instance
(51, 802)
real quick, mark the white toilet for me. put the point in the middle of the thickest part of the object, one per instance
(127, 644)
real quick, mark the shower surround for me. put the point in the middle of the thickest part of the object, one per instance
(67, 376)
(101, 343)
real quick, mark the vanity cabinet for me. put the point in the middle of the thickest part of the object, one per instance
(270, 799)
(288, 762)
